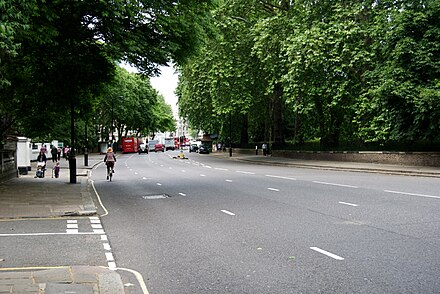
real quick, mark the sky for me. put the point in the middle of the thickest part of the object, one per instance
(166, 84)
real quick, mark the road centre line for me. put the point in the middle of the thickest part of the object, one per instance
(334, 184)
(334, 256)
(228, 212)
(281, 177)
(229, 181)
(182, 194)
(412, 194)
(245, 172)
(273, 189)
(346, 203)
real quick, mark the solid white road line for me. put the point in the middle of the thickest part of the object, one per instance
(346, 203)
(412, 194)
(281, 177)
(99, 199)
(334, 184)
(334, 256)
(47, 234)
(223, 169)
(228, 212)
(138, 277)
(273, 189)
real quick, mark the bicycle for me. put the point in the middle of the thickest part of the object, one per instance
(110, 170)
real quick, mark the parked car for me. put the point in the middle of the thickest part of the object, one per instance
(143, 148)
(204, 149)
(193, 148)
(151, 144)
(159, 147)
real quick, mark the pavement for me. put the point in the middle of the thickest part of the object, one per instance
(29, 197)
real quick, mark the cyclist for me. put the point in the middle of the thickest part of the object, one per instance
(110, 160)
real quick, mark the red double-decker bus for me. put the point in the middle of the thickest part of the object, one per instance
(131, 145)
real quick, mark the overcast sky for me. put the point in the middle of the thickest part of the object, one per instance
(166, 85)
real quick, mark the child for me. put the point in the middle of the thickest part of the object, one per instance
(56, 170)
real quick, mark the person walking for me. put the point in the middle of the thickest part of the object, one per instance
(54, 152)
(264, 147)
(110, 160)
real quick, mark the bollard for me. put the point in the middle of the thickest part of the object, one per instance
(256, 150)
(86, 157)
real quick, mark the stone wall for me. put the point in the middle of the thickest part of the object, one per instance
(399, 158)
(8, 169)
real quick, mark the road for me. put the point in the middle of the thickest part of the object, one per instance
(211, 225)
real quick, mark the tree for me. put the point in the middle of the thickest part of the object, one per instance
(402, 99)
(68, 48)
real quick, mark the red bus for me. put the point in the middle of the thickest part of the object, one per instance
(131, 145)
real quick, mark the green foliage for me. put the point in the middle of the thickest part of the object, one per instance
(55, 54)
(344, 72)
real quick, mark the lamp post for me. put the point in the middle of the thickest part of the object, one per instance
(113, 125)
(86, 144)
(72, 155)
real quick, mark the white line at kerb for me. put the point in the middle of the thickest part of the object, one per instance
(228, 212)
(334, 256)
(412, 194)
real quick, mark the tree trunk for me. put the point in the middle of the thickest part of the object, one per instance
(244, 135)
(278, 116)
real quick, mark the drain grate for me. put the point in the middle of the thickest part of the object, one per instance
(153, 197)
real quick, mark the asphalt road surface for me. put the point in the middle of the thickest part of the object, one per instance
(212, 225)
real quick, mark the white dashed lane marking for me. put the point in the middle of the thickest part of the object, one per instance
(273, 189)
(228, 212)
(245, 172)
(281, 177)
(334, 256)
(334, 184)
(95, 222)
(347, 203)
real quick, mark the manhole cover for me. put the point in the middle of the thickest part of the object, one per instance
(153, 197)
